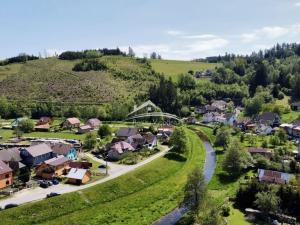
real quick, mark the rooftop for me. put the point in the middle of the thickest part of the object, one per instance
(77, 174)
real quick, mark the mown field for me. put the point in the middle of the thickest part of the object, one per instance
(140, 197)
(53, 79)
(174, 68)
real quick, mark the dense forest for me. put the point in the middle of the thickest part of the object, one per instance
(249, 81)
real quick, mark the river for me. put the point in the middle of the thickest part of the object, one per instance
(209, 168)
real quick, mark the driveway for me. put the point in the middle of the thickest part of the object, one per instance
(115, 170)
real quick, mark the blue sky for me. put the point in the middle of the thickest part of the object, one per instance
(177, 29)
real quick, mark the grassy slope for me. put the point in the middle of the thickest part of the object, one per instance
(54, 79)
(173, 68)
(139, 197)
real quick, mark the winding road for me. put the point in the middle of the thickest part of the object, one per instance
(209, 168)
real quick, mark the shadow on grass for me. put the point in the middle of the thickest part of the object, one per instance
(226, 178)
(175, 156)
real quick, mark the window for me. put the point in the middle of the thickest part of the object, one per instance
(7, 176)
(7, 182)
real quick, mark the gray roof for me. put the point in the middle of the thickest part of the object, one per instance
(40, 149)
(4, 168)
(61, 148)
(57, 160)
(127, 132)
(77, 174)
(7, 155)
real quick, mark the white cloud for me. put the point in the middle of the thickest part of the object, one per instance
(297, 4)
(207, 45)
(174, 32)
(271, 33)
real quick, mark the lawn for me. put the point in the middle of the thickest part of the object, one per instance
(62, 135)
(173, 68)
(139, 197)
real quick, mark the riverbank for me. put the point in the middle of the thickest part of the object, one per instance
(208, 171)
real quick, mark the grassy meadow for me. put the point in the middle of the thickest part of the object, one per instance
(174, 68)
(139, 197)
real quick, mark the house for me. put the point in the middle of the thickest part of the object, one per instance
(260, 151)
(94, 123)
(6, 175)
(54, 167)
(275, 177)
(78, 176)
(116, 150)
(220, 104)
(36, 154)
(125, 132)
(151, 140)
(295, 106)
(65, 149)
(269, 118)
(191, 120)
(84, 129)
(42, 127)
(80, 165)
(288, 128)
(296, 131)
(206, 109)
(264, 129)
(136, 141)
(71, 123)
(12, 157)
(44, 120)
(166, 129)
(210, 117)
(242, 124)
(229, 118)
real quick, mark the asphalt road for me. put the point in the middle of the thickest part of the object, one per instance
(36, 194)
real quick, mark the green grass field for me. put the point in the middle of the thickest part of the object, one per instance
(140, 197)
(174, 68)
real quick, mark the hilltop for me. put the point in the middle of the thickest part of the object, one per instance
(52, 78)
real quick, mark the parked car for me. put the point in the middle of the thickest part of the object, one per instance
(12, 205)
(44, 184)
(52, 194)
(102, 166)
(55, 182)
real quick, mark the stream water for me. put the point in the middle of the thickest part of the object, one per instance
(209, 168)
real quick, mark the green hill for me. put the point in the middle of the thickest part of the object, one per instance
(173, 68)
(54, 79)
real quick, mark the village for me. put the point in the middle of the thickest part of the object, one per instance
(30, 163)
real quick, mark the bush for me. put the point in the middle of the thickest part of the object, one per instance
(225, 210)
(26, 126)
(104, 131)
(280, 96)
(88, 65)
